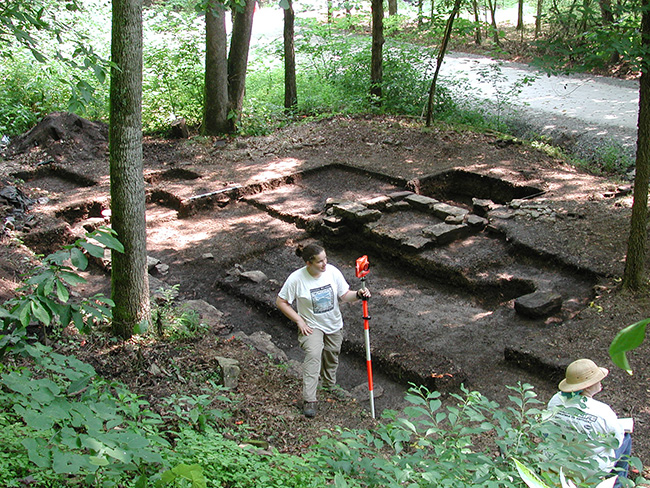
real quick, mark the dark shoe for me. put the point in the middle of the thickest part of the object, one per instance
(310, 409)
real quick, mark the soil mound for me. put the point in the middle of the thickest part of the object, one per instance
(63, 137)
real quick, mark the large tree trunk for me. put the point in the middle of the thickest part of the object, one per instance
(440, 59)
(242, 27)
(215, 107)
(290, 89)
(129, 283)
(376, 69)
(634, 276)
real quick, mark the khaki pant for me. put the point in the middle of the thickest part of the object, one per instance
(321, 361)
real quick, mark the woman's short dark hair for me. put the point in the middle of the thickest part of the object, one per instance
(308, 252)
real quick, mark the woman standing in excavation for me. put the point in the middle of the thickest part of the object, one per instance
(315, 290)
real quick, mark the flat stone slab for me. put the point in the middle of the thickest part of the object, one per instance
(356, 212)
(538, 304)
(444, 233)
(476, 222)
(378, 203)
(421, 202)
(481, 206)
(444, 210)
(415, 243)
(400, 195)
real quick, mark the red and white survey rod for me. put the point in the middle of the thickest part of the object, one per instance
(362, 269)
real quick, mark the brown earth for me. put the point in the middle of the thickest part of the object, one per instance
(247, 202)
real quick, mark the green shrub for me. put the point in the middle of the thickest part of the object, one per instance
(468, 444)
(227, 463)
(83, 430)
(45, 297)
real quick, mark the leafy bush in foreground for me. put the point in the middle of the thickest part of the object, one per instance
(469, 444)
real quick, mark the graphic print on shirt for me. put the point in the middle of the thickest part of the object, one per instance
(322, 299)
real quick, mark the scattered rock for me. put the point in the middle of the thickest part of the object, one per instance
(161, 269)
(208, 314)
(263, 342)
(230, 371)
(255, 276)
(160, 291)
(152, 263)
(15, 197)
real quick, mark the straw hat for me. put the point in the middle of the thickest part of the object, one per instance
(582, 374)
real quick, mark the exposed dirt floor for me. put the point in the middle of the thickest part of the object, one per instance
(446, 280)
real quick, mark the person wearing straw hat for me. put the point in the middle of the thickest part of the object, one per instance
(316, 290)
(575, 405)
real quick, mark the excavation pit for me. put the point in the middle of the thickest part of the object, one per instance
(462, 186)
(433, 297)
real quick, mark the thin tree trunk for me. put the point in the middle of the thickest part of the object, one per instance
(376, 69)
(433, 11)
(608, 19)
(478, 38)
(420, 12)
(238, 62)
(441, 57)
(538, 18)
(586, 5)
(129, 282)
(290, 89)
(492, 5)
(520, 15)
(392, 7)
(215, 108)
(634, 275)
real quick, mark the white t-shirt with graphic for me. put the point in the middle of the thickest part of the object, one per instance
(317, 299)
(594, 418)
